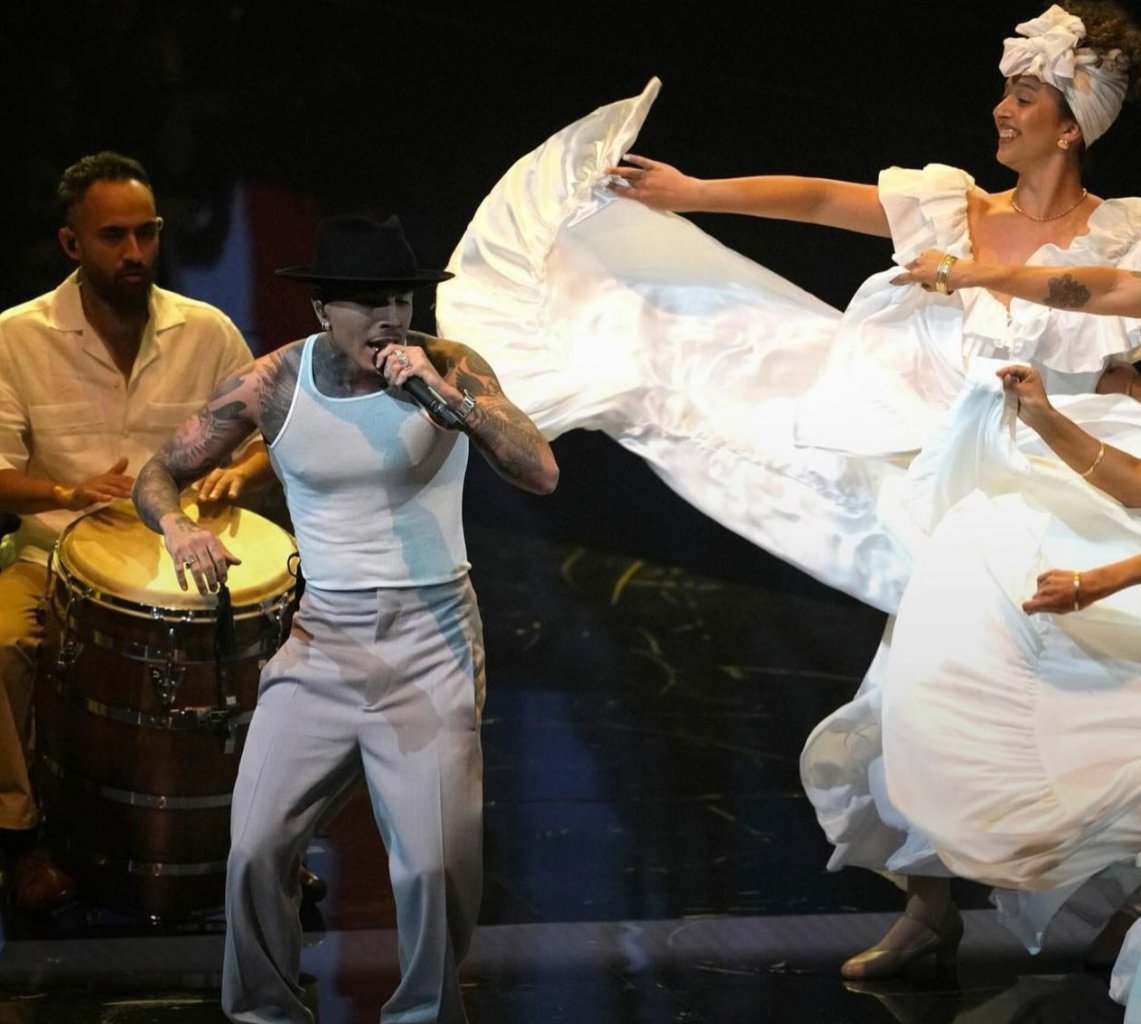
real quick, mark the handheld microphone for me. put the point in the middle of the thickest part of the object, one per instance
(429, 399)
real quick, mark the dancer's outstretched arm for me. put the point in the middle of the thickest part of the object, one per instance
(838, 204)
(1087, 289)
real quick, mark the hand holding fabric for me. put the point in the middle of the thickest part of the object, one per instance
(922, 269)
(1025, 383)
(1067, 590)
(655, 184)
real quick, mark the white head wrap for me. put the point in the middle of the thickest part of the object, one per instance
(1094, 85)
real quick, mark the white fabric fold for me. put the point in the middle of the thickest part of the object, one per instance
(599, 313)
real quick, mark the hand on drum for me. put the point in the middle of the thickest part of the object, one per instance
(105, 486)
(196, 552)
(220, 486)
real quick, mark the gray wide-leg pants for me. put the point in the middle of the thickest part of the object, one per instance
(391, 683)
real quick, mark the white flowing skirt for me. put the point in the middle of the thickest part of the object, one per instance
(598, 313)
(986, 742)
(1010, 740)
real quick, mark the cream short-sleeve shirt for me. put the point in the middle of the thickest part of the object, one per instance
(67, 413)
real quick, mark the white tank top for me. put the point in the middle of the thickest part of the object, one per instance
(374, 489)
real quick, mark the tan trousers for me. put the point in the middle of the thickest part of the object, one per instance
(21, 634)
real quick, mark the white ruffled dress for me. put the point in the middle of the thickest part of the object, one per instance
(1009, 740)
(793, 424)
(599, 313)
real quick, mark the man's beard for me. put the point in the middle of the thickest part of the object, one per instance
(127, 298)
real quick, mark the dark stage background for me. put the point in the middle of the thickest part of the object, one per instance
(291, 111)
(650, 855)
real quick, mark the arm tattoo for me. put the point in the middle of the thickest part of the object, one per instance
(155, 494)
(1066, 293)
(198, 446)
(274, 390)
(501, 431)
(474, 374)
(508, 438)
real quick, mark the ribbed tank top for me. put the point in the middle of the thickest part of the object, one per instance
(374, 489)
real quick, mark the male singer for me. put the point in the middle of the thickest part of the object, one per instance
(383, 670)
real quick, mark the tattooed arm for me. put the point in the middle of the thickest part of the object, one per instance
(1086, 289)
(504, 435)
(239, 406)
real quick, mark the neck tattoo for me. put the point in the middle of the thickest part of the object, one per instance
(337, 375)
(1055, 216)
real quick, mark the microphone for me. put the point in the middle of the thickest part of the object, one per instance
(429, 399)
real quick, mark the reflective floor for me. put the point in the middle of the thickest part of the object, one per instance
(649, 854)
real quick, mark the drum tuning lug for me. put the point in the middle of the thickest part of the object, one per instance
(166, 681)
(229, 740)
(68, 654)
(219, 720)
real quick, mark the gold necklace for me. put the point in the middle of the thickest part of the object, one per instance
(1057, 216)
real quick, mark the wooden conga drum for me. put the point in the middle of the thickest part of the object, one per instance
(143, 708)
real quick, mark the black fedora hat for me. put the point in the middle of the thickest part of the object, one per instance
(352, 250)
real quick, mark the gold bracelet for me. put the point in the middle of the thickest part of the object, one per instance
(1096, 460)
(943, 272)
(1077, 588)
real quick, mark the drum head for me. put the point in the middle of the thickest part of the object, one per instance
(112, 551)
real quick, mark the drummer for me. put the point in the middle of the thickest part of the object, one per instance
(93, 378)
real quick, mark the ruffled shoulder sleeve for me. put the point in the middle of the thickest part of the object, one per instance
(926, 208)
(1113, 237)
(1130, 260)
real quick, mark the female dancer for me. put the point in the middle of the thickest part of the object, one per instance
(1009, 737)
(1033, 772)
(781, 418)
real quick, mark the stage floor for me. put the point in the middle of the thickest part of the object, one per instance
(650, 856)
